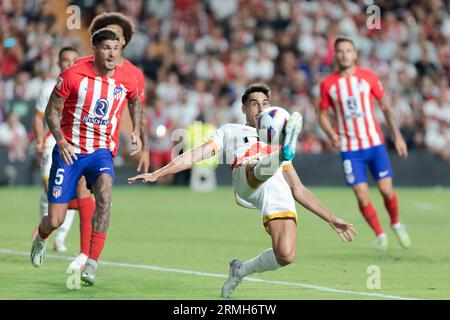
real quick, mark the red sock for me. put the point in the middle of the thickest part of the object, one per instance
(73, 204)
(370, 214)
(97, 243)
(86, 209)
(392, 208)
(42, 234)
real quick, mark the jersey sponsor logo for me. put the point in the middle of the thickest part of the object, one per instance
(59, 82)
(101, 108)
(103, 122)
(351, 104)
(118, 92)
(57, 192)
(383, 174)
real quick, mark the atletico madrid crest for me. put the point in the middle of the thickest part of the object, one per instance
(57, 191)
(117, 93)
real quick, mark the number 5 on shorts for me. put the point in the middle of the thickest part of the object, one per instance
(59, 177)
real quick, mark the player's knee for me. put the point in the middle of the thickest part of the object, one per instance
(55, 222)
(103, 202)
(285, 256)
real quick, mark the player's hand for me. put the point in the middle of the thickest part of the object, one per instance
(335, 142)
(39, 144)
(136, 144)
(144, 161)
(345, 230)
(146, 177)
(67, 152)
(401, 147)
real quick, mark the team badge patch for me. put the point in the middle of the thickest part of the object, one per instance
(57, 191)
(117, 93)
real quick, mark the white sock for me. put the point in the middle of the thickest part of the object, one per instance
(266, 261)
(63, 230)
(43, 205)
(267, 166)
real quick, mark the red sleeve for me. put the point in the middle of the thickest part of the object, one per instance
(141, 86)
(133, 89)
(375, 86)
(325, 101)
(65, 83)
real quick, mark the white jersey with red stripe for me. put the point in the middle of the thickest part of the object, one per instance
(93, 106)
(351, 99)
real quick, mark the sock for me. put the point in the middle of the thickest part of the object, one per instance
(64, 229)
(97, 243)
(266, 261)
(86, 209)
(392, 208)
(370, 214)
(43, 204)
(267, 166)
(42, 234)
(73, 204)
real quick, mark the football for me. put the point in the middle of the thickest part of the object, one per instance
(271, 125)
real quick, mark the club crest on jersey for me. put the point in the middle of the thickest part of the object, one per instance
(118, 92)
(57, 192)
(351, 103)
(101, 108)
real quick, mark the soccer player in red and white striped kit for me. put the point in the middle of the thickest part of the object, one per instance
(349, 92)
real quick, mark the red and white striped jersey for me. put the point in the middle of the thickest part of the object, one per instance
(93, 106)
(351, 98)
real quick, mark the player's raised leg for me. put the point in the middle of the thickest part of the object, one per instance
(282, 253)
(391, 203)
(102, 188)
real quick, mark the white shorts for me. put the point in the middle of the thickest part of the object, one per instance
(49, 144)
(273, 198)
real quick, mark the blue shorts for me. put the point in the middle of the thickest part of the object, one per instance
(354, 164)
(63, 181)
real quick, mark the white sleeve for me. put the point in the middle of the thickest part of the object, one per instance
(42, 100)
(218, 138)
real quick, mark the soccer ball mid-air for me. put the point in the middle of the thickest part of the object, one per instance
(271, 124)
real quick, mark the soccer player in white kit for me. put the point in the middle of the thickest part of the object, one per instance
(45, 143)
(259, 181)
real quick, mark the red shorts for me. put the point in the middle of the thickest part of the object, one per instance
(160, 158)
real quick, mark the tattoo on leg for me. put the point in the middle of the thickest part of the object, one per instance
(102, 191)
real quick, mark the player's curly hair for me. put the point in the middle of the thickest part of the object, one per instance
(255, 87)
(108, 18)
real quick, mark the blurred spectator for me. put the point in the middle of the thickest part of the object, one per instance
(13, 136)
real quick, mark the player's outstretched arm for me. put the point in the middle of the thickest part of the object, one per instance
(399, 142)
(180, 163)
(53, 118)
(38, 127)
(306, 198)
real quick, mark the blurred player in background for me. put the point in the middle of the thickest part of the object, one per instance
(124, 28)
(349, 93)
(259, 181)
(91, 97)
(45, 143)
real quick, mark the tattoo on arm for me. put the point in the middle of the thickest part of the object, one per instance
(53, 115)
(134, 107)
(143, 130)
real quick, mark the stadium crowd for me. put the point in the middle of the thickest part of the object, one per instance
(198, 56)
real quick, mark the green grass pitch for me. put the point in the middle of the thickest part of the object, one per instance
(160, 234)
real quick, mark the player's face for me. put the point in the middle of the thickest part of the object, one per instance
(345, 55)
(67, 59)
(106, 54)
(119, 31)
(256, 103)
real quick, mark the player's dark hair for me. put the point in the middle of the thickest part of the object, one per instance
(340, 39)
(102, 35)
(255, 87)
(108, 18)
(64, 49)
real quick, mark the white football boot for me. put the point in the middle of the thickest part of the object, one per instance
(38, 251)
(233, 278)
(402, 235)
(88, 272)
(292, 130)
